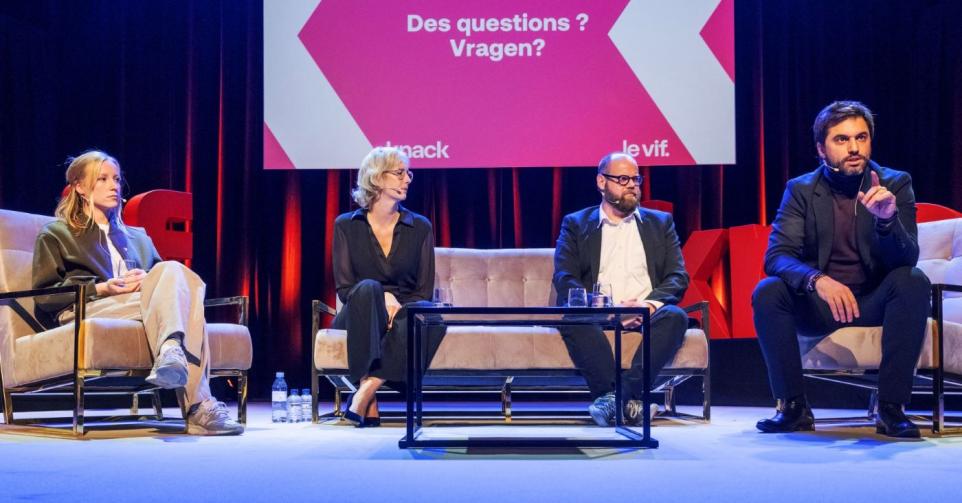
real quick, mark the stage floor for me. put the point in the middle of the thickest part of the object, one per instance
(726, 459)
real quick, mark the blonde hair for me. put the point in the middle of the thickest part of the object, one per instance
(73, 208)
(373, 167)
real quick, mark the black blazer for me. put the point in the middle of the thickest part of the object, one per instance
(577, 255)
(801, 239)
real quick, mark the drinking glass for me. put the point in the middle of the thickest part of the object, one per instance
(442, 297)
(601, 295)
(577, 297)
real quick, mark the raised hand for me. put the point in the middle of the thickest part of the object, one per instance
(878, 200)
(839, 298)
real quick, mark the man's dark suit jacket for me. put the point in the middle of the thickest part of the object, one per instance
(802, 233)
(577, 255)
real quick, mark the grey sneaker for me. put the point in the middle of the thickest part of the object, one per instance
(212, 418)
(633, 411)
(602, 410)
(170, 369)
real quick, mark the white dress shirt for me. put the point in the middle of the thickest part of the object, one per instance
(624, 264)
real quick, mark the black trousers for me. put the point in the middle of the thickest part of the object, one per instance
(372, 349)
(783, 320)
(591, 353)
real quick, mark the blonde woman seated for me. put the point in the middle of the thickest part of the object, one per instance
(89, 243)
(383, 261)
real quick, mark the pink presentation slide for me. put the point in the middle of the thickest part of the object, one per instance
(498, 83)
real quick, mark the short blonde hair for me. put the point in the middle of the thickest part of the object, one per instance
(83, 170)
(375, 164)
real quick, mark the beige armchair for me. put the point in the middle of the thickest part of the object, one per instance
(852, 355)
(92, 355)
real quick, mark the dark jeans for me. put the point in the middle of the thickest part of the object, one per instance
(372, 349)
(591, 353)
(900, 304)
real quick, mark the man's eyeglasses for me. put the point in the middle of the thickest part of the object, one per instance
(624, 179)
(401, 173)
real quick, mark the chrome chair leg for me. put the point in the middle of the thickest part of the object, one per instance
(242, 398)
(182, 401)
(158, 405)
(314, 391)
(506, 399)
(7, 407)
(134, 404)
(670, 400)
(78, 408)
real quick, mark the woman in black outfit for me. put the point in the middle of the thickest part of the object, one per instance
(383, 261)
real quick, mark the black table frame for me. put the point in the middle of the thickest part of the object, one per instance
(605, 317)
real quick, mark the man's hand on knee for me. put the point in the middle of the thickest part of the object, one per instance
(635, 321)
(839, 298)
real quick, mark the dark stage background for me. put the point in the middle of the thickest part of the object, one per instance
(174, 89)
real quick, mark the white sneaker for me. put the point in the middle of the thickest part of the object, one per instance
(212, 418)
(170, 368)
(633, 412)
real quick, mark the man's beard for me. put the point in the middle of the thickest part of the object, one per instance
(627, 203)
(845, 169)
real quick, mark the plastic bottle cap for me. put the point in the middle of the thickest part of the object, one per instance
(279, 374)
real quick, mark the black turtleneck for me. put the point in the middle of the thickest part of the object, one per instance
(844, 263)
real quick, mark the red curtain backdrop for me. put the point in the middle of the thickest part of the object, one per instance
(174, 90)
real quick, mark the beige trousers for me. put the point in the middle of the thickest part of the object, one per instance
(170, 300)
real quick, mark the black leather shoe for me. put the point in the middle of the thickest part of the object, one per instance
(372, 421)
(794, 415)
(354, 418)
(891, 421)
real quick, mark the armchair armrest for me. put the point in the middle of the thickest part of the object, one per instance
(240, 301)
(703, 309)
(946, 287)
(938, 296)
(319, 307)
(10, 299)
(79, 309)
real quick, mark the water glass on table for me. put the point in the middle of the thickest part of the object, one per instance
(601, 295)
(577, 297)
(442, 297)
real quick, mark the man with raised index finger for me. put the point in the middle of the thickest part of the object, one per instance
(842, 252)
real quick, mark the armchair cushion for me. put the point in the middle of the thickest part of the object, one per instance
(110, 344)
(230, 346)
(506, 277)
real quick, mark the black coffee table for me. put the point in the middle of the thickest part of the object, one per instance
(607, 318)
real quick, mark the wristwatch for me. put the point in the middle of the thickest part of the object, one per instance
(812, 280)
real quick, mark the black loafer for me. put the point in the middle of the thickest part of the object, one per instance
(893, 422)
(794, 415)
(372, 421)
(354, 418)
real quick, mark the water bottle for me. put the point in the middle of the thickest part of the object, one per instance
(306, 411)
(294, 407)
(279, 399)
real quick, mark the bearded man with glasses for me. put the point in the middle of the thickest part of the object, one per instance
(637, 252)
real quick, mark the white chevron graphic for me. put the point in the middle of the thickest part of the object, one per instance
(660, 41)
(300, 106)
